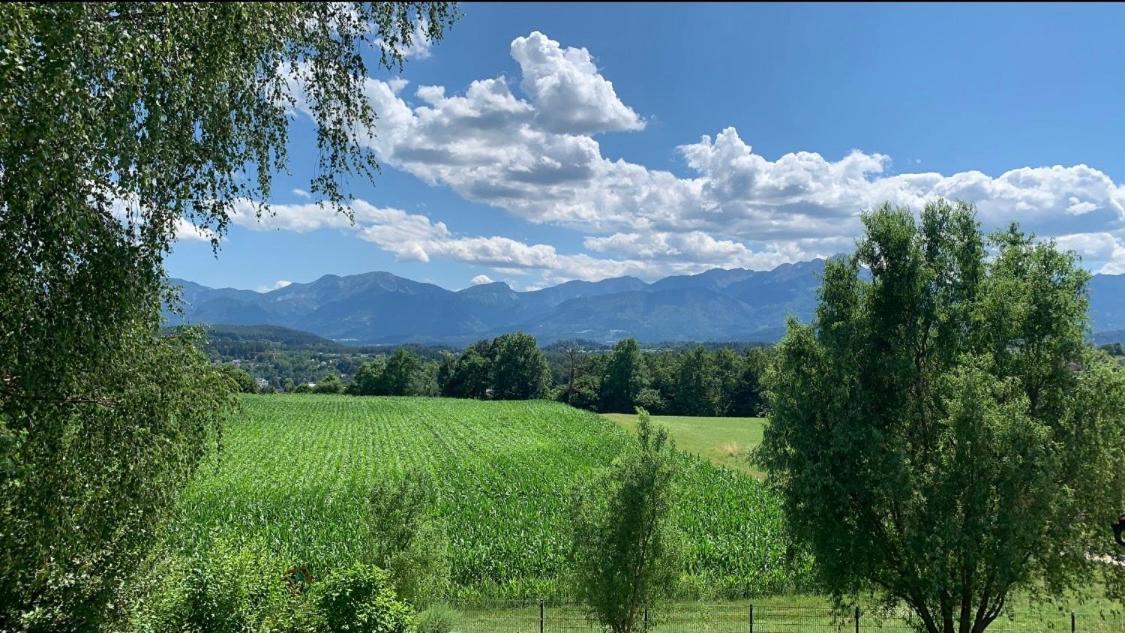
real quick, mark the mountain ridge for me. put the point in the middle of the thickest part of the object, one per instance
(720, 304)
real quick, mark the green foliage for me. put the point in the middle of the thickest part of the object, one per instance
(241, 379)
(470, 376)
(329, 384)
(745, 397)
(368, 381)
(586, 392)
(297, 471)
(407, 538)
(509, 367)
(119, 122)
(942, 435)
(359, 597)
(697, 386)
(439, 618)
(89, 473)
(624, 539)
(650, 400)
(519, 369)
(624, 378)
(225, 589)
(402, 374)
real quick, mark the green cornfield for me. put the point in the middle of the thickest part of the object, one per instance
(294, 472)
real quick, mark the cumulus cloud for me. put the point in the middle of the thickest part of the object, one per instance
(539, 160)
(480, 279)
(415, 237)
(535, 155)
(569, 93)
(1101, 252)
(420, 43)
(188, 232)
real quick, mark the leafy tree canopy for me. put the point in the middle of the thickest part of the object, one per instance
(624, 378)
(942, 435)
(519, 368)
(120, 125)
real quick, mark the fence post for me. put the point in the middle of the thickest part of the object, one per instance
(541, 614)
(646, 620)
(1072, 622)
(752, 618)
(857, 620)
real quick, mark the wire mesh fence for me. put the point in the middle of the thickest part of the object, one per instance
(535, 617)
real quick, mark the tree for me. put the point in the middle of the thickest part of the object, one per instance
(697, 388)
(650, 399)
(573, 360)
(624, 377)
(401, 375)
(368, 380)
(747, 399)
(447, 368)
(942, 435)
(519, 368)
(728, 371)
(240, 379)
(120, 125)
(587, 390)
(471, 376)
(329, 384)
(624, 542)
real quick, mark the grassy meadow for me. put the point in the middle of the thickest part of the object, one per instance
(724, 441)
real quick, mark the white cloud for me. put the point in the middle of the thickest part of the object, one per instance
(188, 232)
(414, 237)
(536, 157)
(420, 43)
(298, 218)
(1101, 252)
(301, 193)
(1116, 265)
(480, 279)
(280, 283)
(569, 93)
(493, 147)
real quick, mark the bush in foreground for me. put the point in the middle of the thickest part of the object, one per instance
(625, 544)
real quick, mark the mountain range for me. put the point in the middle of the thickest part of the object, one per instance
(716, 305)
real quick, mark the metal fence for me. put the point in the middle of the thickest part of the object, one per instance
(530, 617)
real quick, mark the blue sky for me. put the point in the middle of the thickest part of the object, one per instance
(540, 143)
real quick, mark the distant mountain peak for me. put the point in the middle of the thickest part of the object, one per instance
(714, 305)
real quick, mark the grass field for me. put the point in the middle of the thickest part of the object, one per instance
(783, 614)
(724, 441)
(295, 471)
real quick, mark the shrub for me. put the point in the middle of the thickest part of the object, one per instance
(359, 598)
(227, 589)
(329, 384)
(407, 539)
(650, 399)
(439, 618)
(625, 546)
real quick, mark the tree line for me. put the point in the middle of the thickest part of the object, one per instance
(694, 381)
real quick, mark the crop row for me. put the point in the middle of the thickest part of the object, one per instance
(295, 470)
